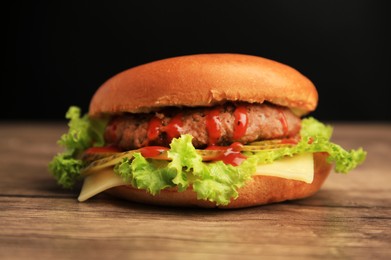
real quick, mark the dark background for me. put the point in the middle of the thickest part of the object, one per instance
(57, 53)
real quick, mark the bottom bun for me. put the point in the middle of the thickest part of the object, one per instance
(260, 190)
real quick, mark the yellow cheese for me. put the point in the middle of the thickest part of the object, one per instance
(98, 182)
(299, 167)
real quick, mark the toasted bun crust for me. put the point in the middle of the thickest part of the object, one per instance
(204, 80)
(261, 190)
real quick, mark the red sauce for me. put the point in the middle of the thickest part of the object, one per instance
(289, 141)
(172, 129)
(152, 151)
(154, 126)
(283, 121)
(241, 122)
(213, 126)
(229, 154)
(174, 126)
(104, 149)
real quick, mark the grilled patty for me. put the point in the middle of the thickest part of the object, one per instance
(208, 126)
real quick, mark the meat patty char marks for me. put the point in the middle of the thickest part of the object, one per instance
(264, 121)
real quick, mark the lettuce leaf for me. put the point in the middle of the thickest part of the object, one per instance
(151, 175)
(315, 138)
(66, 169)
(83, 133)
(219, 182)
(216, 182)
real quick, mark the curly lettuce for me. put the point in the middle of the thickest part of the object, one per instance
(83, 133)
(217, 182)
(315, 137)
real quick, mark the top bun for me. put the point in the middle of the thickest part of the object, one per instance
(204, 80)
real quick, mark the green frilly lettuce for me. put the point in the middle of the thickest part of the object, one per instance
(214, 181)
(83, 133)
(315, 137)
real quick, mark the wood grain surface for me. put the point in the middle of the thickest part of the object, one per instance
(349, 218)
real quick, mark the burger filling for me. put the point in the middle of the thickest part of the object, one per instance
(214, 151)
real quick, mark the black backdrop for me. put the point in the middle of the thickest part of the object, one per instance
(58, 52)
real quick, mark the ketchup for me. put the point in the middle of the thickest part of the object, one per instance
(152, 151)
(213, 126)
(241, 122)
(174, 126)
(154, 126)
(172, 129)
(289, 141)
(229, 154)
(283, 121)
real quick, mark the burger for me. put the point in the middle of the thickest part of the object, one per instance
(206, 130)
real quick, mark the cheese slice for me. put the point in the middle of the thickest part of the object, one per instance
(98, 182)
(299, 167)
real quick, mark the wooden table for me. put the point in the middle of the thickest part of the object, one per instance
(349, 218)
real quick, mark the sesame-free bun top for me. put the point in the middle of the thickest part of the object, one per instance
(204, 80)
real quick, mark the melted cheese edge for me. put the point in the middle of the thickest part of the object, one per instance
(299, 167)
